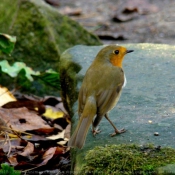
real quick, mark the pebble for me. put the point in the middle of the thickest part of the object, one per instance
(156, 134)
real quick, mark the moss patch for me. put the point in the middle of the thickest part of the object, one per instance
(68, 71)
(127, 159)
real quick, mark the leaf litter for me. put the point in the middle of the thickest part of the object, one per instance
(34, 133)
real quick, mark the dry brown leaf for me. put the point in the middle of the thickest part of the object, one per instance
(21, 119)
(27, 150)
(60, 151)
(44, 130)
(3, 126)
(13, 161)
(32, 105)
(48, 155)
(14, 144)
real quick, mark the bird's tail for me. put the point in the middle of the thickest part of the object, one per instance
(79, 136)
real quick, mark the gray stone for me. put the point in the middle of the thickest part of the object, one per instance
(147, 102)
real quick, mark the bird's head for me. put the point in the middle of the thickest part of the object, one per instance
(114, 54)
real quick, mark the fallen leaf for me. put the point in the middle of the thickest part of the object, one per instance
(55, 102)
(48, 155)
(21, 119)
(53, 113)
(55, 137)
(13, 161)
(27, 150)
(3, 126)
(5, 96)
(44, 130)
(60, 151)
(30, 104)
(30, 151)
(14, 144)
(58, 138)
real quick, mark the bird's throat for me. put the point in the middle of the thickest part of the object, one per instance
(116, 62)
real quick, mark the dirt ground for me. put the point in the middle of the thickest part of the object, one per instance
(125, 21)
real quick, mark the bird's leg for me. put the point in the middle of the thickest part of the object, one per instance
(95, 130)
(116, 130)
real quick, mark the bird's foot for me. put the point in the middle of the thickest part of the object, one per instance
(95, 131)
(118, 132)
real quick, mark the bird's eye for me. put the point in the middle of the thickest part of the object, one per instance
(116, 52)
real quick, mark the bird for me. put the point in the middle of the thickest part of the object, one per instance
(99, 93)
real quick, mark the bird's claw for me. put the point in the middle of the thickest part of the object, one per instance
(118, 132)
(95, 131)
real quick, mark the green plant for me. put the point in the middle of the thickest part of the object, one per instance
(8, 170)
(23, 77)
(7, 43)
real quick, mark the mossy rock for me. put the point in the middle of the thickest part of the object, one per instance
(146, 105)
(128, 160)
(42, 33)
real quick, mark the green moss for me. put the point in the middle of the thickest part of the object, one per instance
(68, 71)
(35, 44)
(42, 33)
(127, 159)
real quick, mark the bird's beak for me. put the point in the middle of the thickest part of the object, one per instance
(129, 51)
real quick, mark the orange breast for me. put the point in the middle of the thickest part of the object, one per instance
(116, 61)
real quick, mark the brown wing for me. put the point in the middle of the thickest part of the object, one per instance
(107, 99)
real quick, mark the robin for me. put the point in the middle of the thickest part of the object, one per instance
(100, 92)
